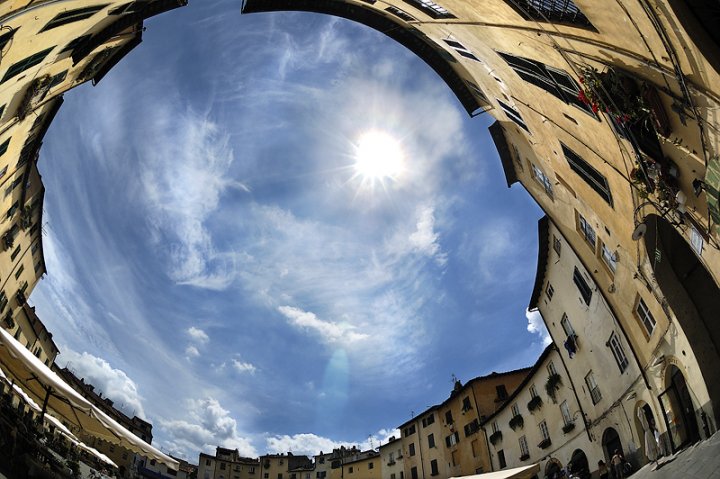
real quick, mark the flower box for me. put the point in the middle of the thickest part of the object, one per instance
(534, 403)
(568, 427)
(552, 385)
(545, 443)
(496, 437)
(517, 422)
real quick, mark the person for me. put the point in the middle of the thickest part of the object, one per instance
(602, 470)
(618, 461)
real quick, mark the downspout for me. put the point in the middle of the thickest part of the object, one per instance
(487, 442)
(572, 384)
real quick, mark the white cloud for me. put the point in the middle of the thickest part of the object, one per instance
(243, 367)
(112, 383)
(311, 444)
(425, 238)
(328, 331)
(192, 352)
(537, 326)
(207, 426)
(198, 335)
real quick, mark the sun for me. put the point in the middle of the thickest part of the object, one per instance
(378, 157)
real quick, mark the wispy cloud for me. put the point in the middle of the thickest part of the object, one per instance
(328, 331)
(243, 367)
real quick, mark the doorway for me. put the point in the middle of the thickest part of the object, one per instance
(678, 411)
(611, 442)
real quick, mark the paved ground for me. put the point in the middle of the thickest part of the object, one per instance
(700, 461)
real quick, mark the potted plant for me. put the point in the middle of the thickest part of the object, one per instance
(534, 403)
(517, 422)
(496, 437)
(552, 385)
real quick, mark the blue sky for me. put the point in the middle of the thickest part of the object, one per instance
(217, 266)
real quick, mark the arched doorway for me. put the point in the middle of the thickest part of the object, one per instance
(579, 464)
(611, 442)
(693, 296)
(678, 410)
(553, 468)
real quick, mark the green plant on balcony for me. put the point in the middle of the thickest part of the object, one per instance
(517, 422)
(552, 385)
(545, 443)
(568, 427)
(614, 93)
(496, 437)
(534, 403)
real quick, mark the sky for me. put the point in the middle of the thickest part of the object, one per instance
(218, 265)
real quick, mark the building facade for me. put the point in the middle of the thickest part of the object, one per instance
(227, 464)
(392, 459)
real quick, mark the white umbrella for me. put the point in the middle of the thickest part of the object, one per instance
(47, 388)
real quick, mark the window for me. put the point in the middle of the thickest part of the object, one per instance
(427, 420)
(618, 352)
(609, 258)
(452, 439)
(6, 37)
(565, 411)
(466, 404)
(524, 451)
(586, 231)
(251, 470)
(411, 449)
(3, 171)
(501, 391)
(3, 148)
(3, 301)
(460, 49)
(448, 417)
(645, 316)
(222, 466)
(544, 431)
(19, 271)
(57, 79)
(475, 448)
(431, 440)
(582, 286)
(73, 44)
(501, 459)
(370, 465)
(567, 327)
(590, 175)
(533, 391)
(549, 291)
(696, 240)
(350, 469)
(540, 176)
(413, 473)
(15, 253)
(25, 64)
(515, 410)
(495, 427)
(433, 468)
(71, 16)
(555, 11)
(400, 14)
(207, 462)
(431, 8)
(472, 427)
(556, 244)
(551, 370)
(554, 81)
(410, 430)
(593, 388)
(513, 115)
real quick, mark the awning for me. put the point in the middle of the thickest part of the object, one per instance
(57, 423)
(525, 472)
(45, 387)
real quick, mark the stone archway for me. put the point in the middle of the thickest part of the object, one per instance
(611, 442)
(692, 294)
(579, 464)
(553, 468)
(646, 432)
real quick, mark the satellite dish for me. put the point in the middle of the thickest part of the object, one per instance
(639, 231)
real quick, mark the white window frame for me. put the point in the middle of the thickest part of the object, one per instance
(544, 430)
(618, 352)
(646, 317)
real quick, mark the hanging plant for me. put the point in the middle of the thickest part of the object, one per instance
(517, 422)
(496, 437)
(614, 93)
(552, 385)
(534, 403)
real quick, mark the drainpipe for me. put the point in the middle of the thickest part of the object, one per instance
(487, 441)
(572, 386)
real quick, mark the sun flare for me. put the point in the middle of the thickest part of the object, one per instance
(378, 156)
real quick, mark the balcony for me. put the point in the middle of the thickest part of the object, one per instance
(534, 403)
(568, 427)
(496, 437)
(552, 385)
(517, 422)
(545, 443)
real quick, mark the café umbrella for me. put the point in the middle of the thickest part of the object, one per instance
(45, 387)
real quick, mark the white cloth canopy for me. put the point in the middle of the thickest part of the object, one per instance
(525, 472)
(44, 386)
(58, 424)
